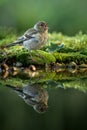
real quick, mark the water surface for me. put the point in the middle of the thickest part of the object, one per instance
(61, 98)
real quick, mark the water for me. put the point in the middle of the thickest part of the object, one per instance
(61, 98)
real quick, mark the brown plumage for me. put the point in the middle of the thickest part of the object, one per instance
(33, 38)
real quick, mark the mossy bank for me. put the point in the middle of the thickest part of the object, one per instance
(60, 48)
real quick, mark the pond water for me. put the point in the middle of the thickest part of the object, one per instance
(43, 100)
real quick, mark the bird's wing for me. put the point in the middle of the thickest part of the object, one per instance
(30, 33)
(27, 35)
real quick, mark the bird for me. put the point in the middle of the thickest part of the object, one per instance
(34, 38)
(33, 95)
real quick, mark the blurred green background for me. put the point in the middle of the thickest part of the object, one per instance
(66, 16)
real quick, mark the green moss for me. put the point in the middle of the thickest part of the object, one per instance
(68, 57)
(74, 49)
(26, 57)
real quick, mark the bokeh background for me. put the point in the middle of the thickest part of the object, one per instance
(66, 16)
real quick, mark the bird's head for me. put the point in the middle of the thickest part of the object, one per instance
(41, 107)
(41, 26)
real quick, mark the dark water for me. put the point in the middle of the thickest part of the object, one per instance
(47, 101)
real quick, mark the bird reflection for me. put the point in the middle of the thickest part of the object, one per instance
(34, 95)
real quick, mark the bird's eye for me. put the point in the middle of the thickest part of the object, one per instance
(42, 24)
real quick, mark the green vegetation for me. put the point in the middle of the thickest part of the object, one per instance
(61, 48)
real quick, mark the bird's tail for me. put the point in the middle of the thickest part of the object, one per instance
(20, 89)
(14, 43)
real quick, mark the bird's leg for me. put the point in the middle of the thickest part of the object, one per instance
(36, 54)
(31, 57)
